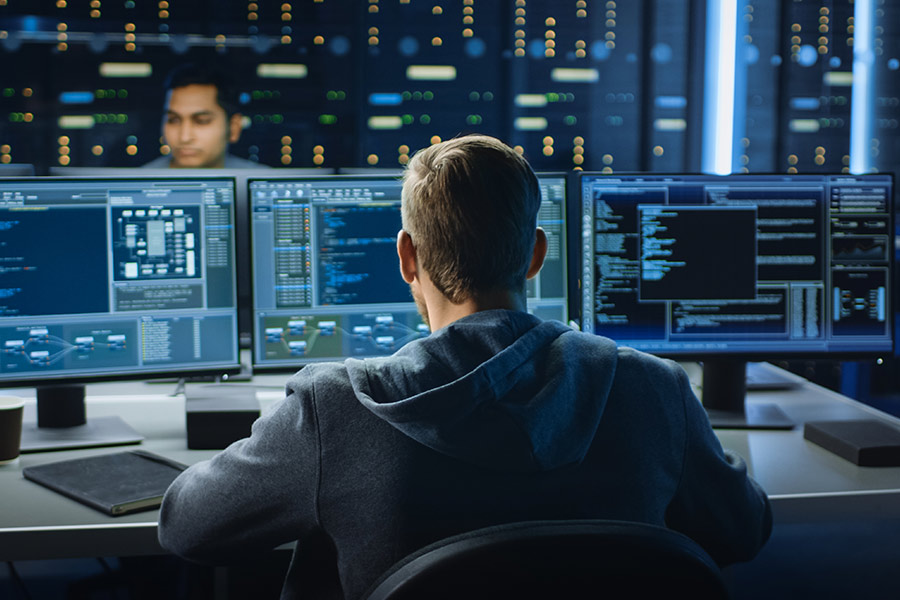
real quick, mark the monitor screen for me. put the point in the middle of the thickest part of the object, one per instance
(106, 277)
(114, 278)
(326, 281)
(754, 265)
(739, 266)
(242, 227)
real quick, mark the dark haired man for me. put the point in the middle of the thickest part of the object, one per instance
(201, 119)
(495, 417)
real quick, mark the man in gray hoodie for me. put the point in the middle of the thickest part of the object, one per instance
(495, 417)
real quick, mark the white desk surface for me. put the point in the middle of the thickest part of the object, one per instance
(805, 483)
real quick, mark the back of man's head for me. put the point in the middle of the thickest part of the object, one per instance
(470, 206)
(206, 74)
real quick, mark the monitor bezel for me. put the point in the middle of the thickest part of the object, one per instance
(777, 351)
(165, 371)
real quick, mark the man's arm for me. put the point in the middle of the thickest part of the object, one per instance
(717, 504)
(258, 493)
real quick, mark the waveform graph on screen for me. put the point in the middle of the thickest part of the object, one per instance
(433, 72)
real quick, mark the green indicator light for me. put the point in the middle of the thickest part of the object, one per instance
(424, 119)
(257, 94)
(331, 95)
(407, 119)
(417, 95)
(123, 94)
(570, 120)
(8, 92)
(552, 97)
(121, 119)
(267, 95)
(327, 119)
(407, 96)
(488, 96)
(277, 119)
(341, 95)
(428, 96)
(258, 118)
(100, 94)
(474, 96)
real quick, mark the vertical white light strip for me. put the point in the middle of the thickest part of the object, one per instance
(718, 125)
(863, 91)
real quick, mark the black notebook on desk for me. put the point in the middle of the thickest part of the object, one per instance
(116, 484)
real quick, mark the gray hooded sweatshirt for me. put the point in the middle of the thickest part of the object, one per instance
(498, 417)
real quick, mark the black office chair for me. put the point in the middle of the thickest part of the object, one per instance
(556, 559)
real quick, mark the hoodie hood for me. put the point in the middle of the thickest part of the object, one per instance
(499, 389)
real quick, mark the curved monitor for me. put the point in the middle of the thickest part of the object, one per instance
(326, 281)
(738, 267)
(111, 279)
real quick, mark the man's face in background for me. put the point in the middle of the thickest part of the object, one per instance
(196, 127)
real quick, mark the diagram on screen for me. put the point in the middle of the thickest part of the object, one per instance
(156, 242)
(335, 336)
(40, 348)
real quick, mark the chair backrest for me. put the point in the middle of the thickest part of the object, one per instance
(556, 559)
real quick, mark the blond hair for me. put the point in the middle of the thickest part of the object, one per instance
(470, 206)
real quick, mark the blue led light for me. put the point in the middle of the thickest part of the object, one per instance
(670, 102)
(408, 46)
(76, 97)
(475, 48)
(661, 53)
(807, 56)
(805, 103)
(599, 51)
(385, 99)
(339, 45)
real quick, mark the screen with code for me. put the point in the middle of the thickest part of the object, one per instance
(116, 277)
(326, 281)
(768, 265)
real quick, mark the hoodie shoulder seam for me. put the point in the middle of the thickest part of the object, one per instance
(315, 422)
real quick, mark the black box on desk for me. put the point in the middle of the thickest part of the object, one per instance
(216, 416)
(866, 442)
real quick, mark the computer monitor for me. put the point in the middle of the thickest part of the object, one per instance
(109, 278)
(729, 268)
(242, 225)
(326, 281)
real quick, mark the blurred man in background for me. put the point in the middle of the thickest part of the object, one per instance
(201, 119)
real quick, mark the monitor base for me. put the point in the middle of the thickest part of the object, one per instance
(96, 433)
(754, 416)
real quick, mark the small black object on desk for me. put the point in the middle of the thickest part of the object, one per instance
(217, 415)
(864, 442)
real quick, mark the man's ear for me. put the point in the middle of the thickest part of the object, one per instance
(407, 254)
(538, 254)
(235, 126)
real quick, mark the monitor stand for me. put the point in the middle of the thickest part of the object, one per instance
(62, 424)
(724, 398)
